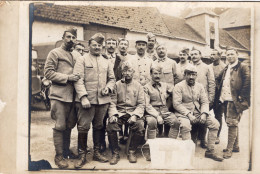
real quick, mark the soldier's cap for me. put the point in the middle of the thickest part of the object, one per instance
(127, 65)
(98, 37)
(156, 67)
(190, 68)
(150, 35)
(72, 30)
(185, 50)
(140, 40)
(160, 45)
(194, 48)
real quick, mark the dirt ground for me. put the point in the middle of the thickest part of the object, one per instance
(41, 147)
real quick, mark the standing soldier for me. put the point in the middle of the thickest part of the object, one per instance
(151, 42)
(218, 67)
(141, 63)
(191, 104)
(234, 97)
(184, 62)
(157, 93)
(59, 69)
(127, 107)
(96, 82)
(111, 45)
(206, 78)
(168, 75)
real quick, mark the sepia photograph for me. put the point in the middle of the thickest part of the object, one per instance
(140, 86)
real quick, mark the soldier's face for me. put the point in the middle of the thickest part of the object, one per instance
(79, 49)
(161, 51)
(232, 56)
(69, 39)
(123, 46)
(140, 47)
(214, 56)
(195, 56)
(151, 42)
(183, 57)
(128, 73)
(190, 77)
(111, 46)
(95, 48)
(156, 75)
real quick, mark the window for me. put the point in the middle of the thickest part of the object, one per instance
(212, 41)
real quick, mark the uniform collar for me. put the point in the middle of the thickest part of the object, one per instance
(150, 51)
(155, 84)
(233, 64)
(110, 55)
(198, 63)
(161, 59)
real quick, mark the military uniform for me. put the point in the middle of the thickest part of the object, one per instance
(127, 100)
(142, 66)
(181, 68)
(193, 99)
(206, 78)
(59, 65)
(96, 74)
(151, 54)
(156, 96)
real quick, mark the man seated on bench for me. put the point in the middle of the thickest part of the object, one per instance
(157, 93)
(127, 107)
(192, 107)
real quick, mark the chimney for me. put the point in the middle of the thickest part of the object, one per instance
(205, 22)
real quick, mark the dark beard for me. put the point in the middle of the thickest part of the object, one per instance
(69, 46)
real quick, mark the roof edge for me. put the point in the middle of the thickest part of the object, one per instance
(236, 40)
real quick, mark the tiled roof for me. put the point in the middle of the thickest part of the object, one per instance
(198, 11)
(178, 28)
(139, 19)
(235, 17)
(241, 34)
(225, 39)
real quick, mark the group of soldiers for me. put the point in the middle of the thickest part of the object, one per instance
(141, 92)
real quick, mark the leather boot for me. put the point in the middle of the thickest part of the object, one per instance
(135, 141)
(160, 130)
(232, 135)
(58, 144)
(82, 150)
(166, 130)
(103, 145)
(194, 133)
(202, 136)
(131, 156)
(113, 141)
(67, 153)
(97, 156)
(211, 154)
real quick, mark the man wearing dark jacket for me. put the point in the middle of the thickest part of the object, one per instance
(234, 97)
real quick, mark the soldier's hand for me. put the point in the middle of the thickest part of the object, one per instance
(192, 118)
(132, 119)
(203, 118)
(160, 120)
(105, 91)
(73, 77)
(85, 102)
(113, 119)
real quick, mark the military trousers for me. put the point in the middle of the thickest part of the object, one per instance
(63, 114)
(85, 116)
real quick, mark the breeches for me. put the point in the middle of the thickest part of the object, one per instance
(137, 127)
(63, 114)
(95, 115)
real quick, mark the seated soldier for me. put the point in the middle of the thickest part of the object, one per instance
(127, 107)
(192, 107)
(157, 93)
